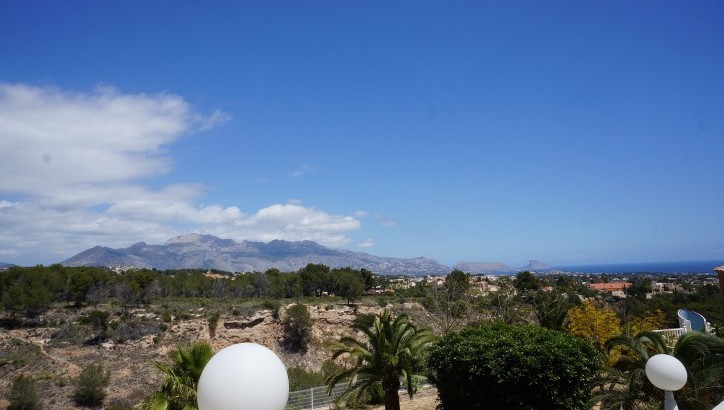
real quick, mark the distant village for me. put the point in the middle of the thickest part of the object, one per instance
(614, 285)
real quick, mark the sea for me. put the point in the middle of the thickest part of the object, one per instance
(686, 267)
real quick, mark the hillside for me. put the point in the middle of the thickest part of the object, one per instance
(210, 252)
(55, 353)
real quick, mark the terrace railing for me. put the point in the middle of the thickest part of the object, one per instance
(672, 335)
(314, 398)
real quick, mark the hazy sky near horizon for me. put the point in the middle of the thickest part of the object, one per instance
(571, 132)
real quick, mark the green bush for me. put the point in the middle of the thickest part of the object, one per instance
(97, 319)
(297, 328)
(23, 395)
(515, 367)
(272, 305)
(365, 320)
(301, 378)
(90, 385)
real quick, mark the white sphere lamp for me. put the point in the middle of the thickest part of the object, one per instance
(244, 376)
(667, 373)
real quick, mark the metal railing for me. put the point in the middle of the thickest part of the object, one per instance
(314, 398)
(672, 335)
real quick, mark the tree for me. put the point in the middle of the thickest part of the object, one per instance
(349, 284)
(504, 306)
(526, 282)
(393, 348)
(98, 320)
(178, 391)
(624, 384)
(126, 295)
(639, 288)
(90, 385)
(550, 309)
(314, 277)
(650, 320)
(297, 328)
(449, 304)
(23, 395)
(502, 366)
(594, 323)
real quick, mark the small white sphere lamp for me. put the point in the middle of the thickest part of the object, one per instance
(667, 373)
(244, 376)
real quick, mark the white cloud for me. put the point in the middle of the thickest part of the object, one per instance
(53, 139)
(366, 244)
(361, 214)
(304, 169)
(294, 222)
(71, 166)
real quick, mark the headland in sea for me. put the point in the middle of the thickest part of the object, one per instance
(681, 267)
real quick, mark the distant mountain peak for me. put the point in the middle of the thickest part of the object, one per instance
(209, 252)
(535, 265)
(484, 267)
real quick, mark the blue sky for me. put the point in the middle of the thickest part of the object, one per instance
(570, 132)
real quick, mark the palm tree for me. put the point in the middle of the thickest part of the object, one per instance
(394, 349)
(703, 356)
(625, 385)
(178, 391)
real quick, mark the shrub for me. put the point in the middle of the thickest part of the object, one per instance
(23, 395)
(166, 317)
(97, 319)
(90, 385)
(272, 305)
(69, 334)
(516, 367)
(135, 329)
(297, 328)
(213, 324)
(365, 320)
(301, 378)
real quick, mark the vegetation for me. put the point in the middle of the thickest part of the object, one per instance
(297, 328)
(512, 366)
(23, 395)
(450, 303)
(178, 391)
(597, 324)
(625, 385)
(29, 291)
(213, 324)
(90, 386)
(301, 378)
(93, 305)
(393, 349)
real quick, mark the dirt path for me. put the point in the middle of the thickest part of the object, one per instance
(25, 337)
(425, 399)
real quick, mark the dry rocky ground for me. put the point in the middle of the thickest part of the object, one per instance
(54, 361)
(425, 399)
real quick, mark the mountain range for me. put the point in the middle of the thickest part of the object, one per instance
(210, 252)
